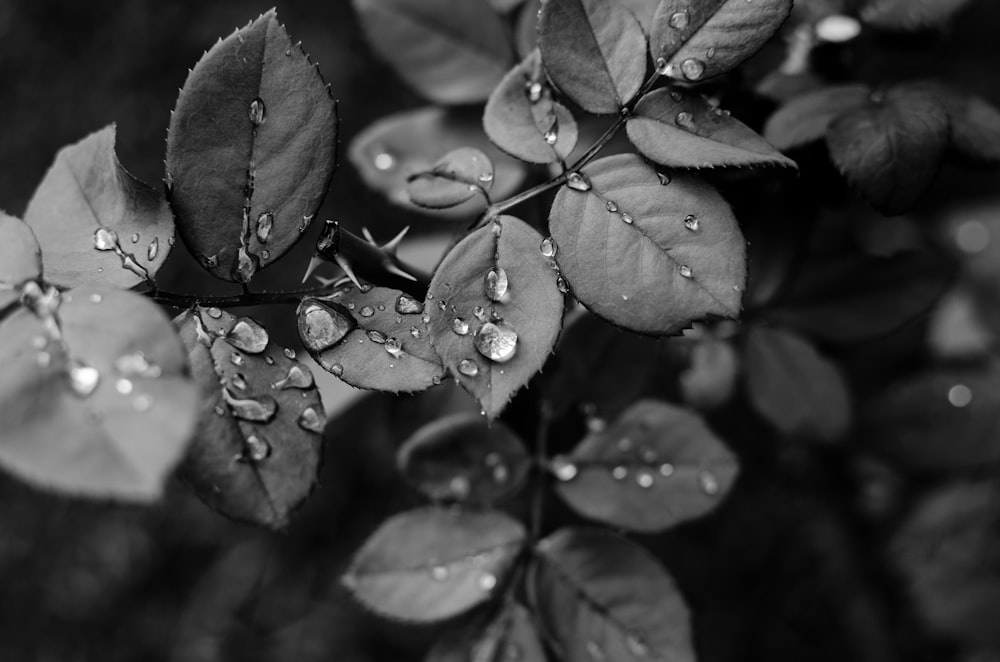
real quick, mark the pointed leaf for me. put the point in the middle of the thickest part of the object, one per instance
(392, 149)
(806, 118)
(523, 120)
(602, 597)
(656, 466)
(594, 51)
(257, 453)
(975, 123)
(698, 39)
(95, 398)
(909, 15)
(495, 310)
(454, 178)
(666, 254)
(250, 151)
(463, 458)
(891, 149)
(20, 258)
(95, 222)
(794, 387)
(683, 130)
(430, 564)
(377, 339)
(510, 635)
(450, 52)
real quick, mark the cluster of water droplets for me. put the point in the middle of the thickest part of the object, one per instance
(106, 239)
(486, 580)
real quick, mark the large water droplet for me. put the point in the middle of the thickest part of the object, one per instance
(237, 359)
(312, 420)
(257, 113)
(693, 69)
(664, 178)
(407, 305)
(678, 20)
(298, 377)
(257, 448)
(577, 181)
(337, 370)
(459, 326)
(394, 347)
(383, 161)
(135, 237)
(238, 381)
(627, 218)
(685, 271)
(249, 336)
(661, 65)
(550, 137)
(153, 250)
(261, 409)
(376, 337)
(366, 311)
(708, 483)
(644, 479)
(563, 469)
(214, 313)
(691, 222)
(548, 247)
(83, 379)
(685, 120)
(322, 327)
(533, 89)
(496, 284)
(487, 582)
(289, 353)
(264, 224)
(496, 341)
(468, 368)
(105, 239)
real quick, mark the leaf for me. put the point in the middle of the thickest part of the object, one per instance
(511, 635)
(257, 453)
(891, 149)
(454, 178)
(683, 130)
(251, 150)
(806, 118)
(430, 564)
(95, 398)
(647, 256)
(853, 298)
(698, 39)
(656, 466)
(602, 597)
(939, 420)
(523, 120)
(463, 458)
(377, 339)
(451, 53)
(644, 11)
(975, 123)
(498, 310)
(909, 15)
(594, 51)
(95, 222)
(20, 259)
(794, 387)
(393, 148)
(710, 380)
(526, 28)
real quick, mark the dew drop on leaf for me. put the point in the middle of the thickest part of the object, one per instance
(211, 261)
(496, 284)
(366, 311)
(678, 20)
(214, 313)
(480, 313)
(685, 271)
(644, 479)
(548, 247)
(289, 353)
(664, 178)
(496, 341)
(627, 218)
(264, 224)
(468, 368)
(487, 582)
(666, 470)
(708, 483)
(135, 237)
(394, 347)
(407, 305)
(563, 469)
(533, 89)
(550, 137)
(322, 327)
(692, 69)
(299, 377)
(685, 120)
(257, 113)
(619, 473)
(661, 65)
(459, 326)
(577, 182)
(124, 386)
(83, 378)
(238, 381)
(259, 410)
(312, 420)
(105, 239)
(691, 222)
(562, 285)
(337, 370)
(257, 449)
(249, 336)
(153, 250)
(237, 359)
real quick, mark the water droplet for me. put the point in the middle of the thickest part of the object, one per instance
(384, 161)
(237, 359)
(627, 218)
(485, 177)
(322, 327)
(661, 65)
(644, 479)
(83, 378)
(534, 91)
(351, 305)
(710, 53)
(257, 112)
(691, 222)
(685, 271)
(135, 237)
(426, 319)
(238, 381)
(685, 120)
(298, 377)
(261, 409)
(257, 449)
(664, 178)
(496, 284)
(439, 573)
(550, 137)
(289, 353)
(442, 305)
(460, 326)
(214, 313)
(407, 305)
(636, 646)
(414, 332)
(678, 20)
(487, 582)
(611, 206)
(959, 395)
(562, 285)
(501, 473)
(619, 473)
(563, 469)
(124, 386)
(142, 402)
(366, 311)
(693, 69)
(596, 424)
(459, 487)
(264, 224)
(95, 298)
(337, 370)
(496, 341)
(838, 28)
(548, 247)
(105, 239)
(708, 482)
(468, 368)
(249, 336)
(376, 337)
(394, 347)
(577, 181)
(312, 420)
(666, 470)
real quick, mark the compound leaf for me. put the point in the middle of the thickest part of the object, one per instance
(509, 635)
(683, 130)
(647, 252)
(806, 118)
(20, 258)
(461, 457)
(257, 452)
(495, 310)
(594, 51)
(431, 563)
(601, 596)
(698, 39)
(656, 466)
(454, 178)
(450, 52)
(96, 223)
(250, 151)
(95, 396)
(376, 339)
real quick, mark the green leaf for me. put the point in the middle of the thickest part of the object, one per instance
(454, 178)
(656, 466)
(461, 457)
(511, 635)
(522, 119)
(257, 453)
(906, 15)
(95, 222)
(647, 252)
(699, 39)
(431, 564)
(891, 149)
(20, 258)
(939, 420)
(495, 310)
(251, 150)
(600, 596)
(376, 339)
(95, 396)
(392, 149)
(683, 130)
(450, 52)
(806, 118)
(594, 51)
(794, 387)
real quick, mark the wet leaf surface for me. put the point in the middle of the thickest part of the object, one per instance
(454, 178)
